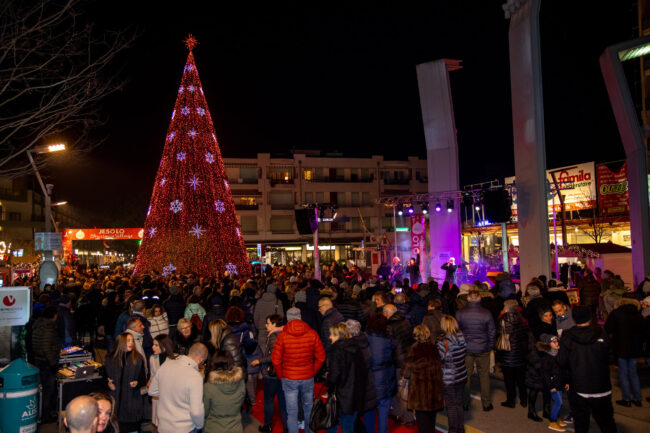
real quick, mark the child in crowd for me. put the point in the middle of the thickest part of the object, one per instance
(554, 377)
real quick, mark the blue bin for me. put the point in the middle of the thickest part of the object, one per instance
(19, 397)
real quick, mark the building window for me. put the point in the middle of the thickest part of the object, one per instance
(308, 175)
(282, 223)
(249, 224)
(281, 175)
(355, 223)
(248, 201)
(14, 216)
(365, 198)
(309, 197)
(354, 199)
(340, 198)
(320, 197)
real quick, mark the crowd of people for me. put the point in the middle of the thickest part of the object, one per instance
(187, 353)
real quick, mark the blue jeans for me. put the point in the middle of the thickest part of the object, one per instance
(629, 378)
(291, 390)
(346, 421)
(273, 387)
(557, 405)
(383, 407)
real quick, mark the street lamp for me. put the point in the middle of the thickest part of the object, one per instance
(48, 271)
(47, 189)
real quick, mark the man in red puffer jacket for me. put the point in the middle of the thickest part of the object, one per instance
(297, 356)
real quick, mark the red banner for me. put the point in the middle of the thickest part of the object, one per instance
(613, 195)
(418, 238)
(70, 235)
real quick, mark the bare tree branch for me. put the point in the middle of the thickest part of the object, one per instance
(54, 71)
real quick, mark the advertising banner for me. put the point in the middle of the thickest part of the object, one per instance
(15, 305)
(577, 183)
(418, 239)
(613, 194)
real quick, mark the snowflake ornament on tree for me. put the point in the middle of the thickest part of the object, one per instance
(194, 182)
(197, 231)
(168, 270)
(232, 269)
(184, 191)
(176, 206)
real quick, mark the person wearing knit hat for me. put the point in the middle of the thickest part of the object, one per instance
(293, 314)
(300, 296)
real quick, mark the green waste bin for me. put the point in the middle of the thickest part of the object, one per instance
(19, 397)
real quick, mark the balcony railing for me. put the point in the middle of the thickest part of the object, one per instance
(282, 206)
(281, 231)
(396, 181)
(281, 182)
(247, 206)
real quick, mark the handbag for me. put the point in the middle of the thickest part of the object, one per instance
(503, 342)
(403, 389)
(324, 415)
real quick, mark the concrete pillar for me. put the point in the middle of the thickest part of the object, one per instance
(529, 144)
(633, 141)
(442, 159)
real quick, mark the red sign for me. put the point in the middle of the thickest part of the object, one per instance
(418, 238)
(613, 195)
(9, 300)
(70, 235)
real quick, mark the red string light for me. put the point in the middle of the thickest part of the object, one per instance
(191, 225)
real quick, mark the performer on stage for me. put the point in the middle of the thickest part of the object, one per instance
(450, 269)
(413, 269)
(396, 272)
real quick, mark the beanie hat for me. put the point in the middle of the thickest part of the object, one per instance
(581, 314)
(547, 338)
(293, 314)
(300, 296)
(271, 288)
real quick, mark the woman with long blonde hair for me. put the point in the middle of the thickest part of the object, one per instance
(222, 338)
(452, 348)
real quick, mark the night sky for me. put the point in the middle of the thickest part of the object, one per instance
(340, 77)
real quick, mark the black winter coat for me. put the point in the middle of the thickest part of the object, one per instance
(351, 309)
(625, 326)
(347, 376)
(586, 352)
(400, 330)
(309, 316)
(534, 377)
(477, 325)
(175, 308)
(45, 341)
(230, 343)
(552, 374)
(516, 328)
(330, 318)
(371, 394)
(432, 321)
(382, 364)
(129, 403)
(182, 345)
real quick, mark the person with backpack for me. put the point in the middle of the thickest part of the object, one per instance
(195, 312)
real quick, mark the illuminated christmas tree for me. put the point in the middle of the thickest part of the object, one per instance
(191, 224)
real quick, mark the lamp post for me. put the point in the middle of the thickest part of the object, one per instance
(48, 271)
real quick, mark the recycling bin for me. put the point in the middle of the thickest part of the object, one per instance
(19, 397)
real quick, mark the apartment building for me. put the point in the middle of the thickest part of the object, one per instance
(267, 189)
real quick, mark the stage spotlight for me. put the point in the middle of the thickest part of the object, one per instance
(400, 209)
(477, 205)
(438, 207)
(450, 205)
(425, 208)
(411, 210)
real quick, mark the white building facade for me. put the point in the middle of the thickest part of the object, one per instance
(267, 189)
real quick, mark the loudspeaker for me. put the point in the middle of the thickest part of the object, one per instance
(306, 221)
(496, 204)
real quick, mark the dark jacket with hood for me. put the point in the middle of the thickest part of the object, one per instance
(347, 376)
(183, 344)
(625, 325)
(586, 352)
(175, 308)
(223, 395)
